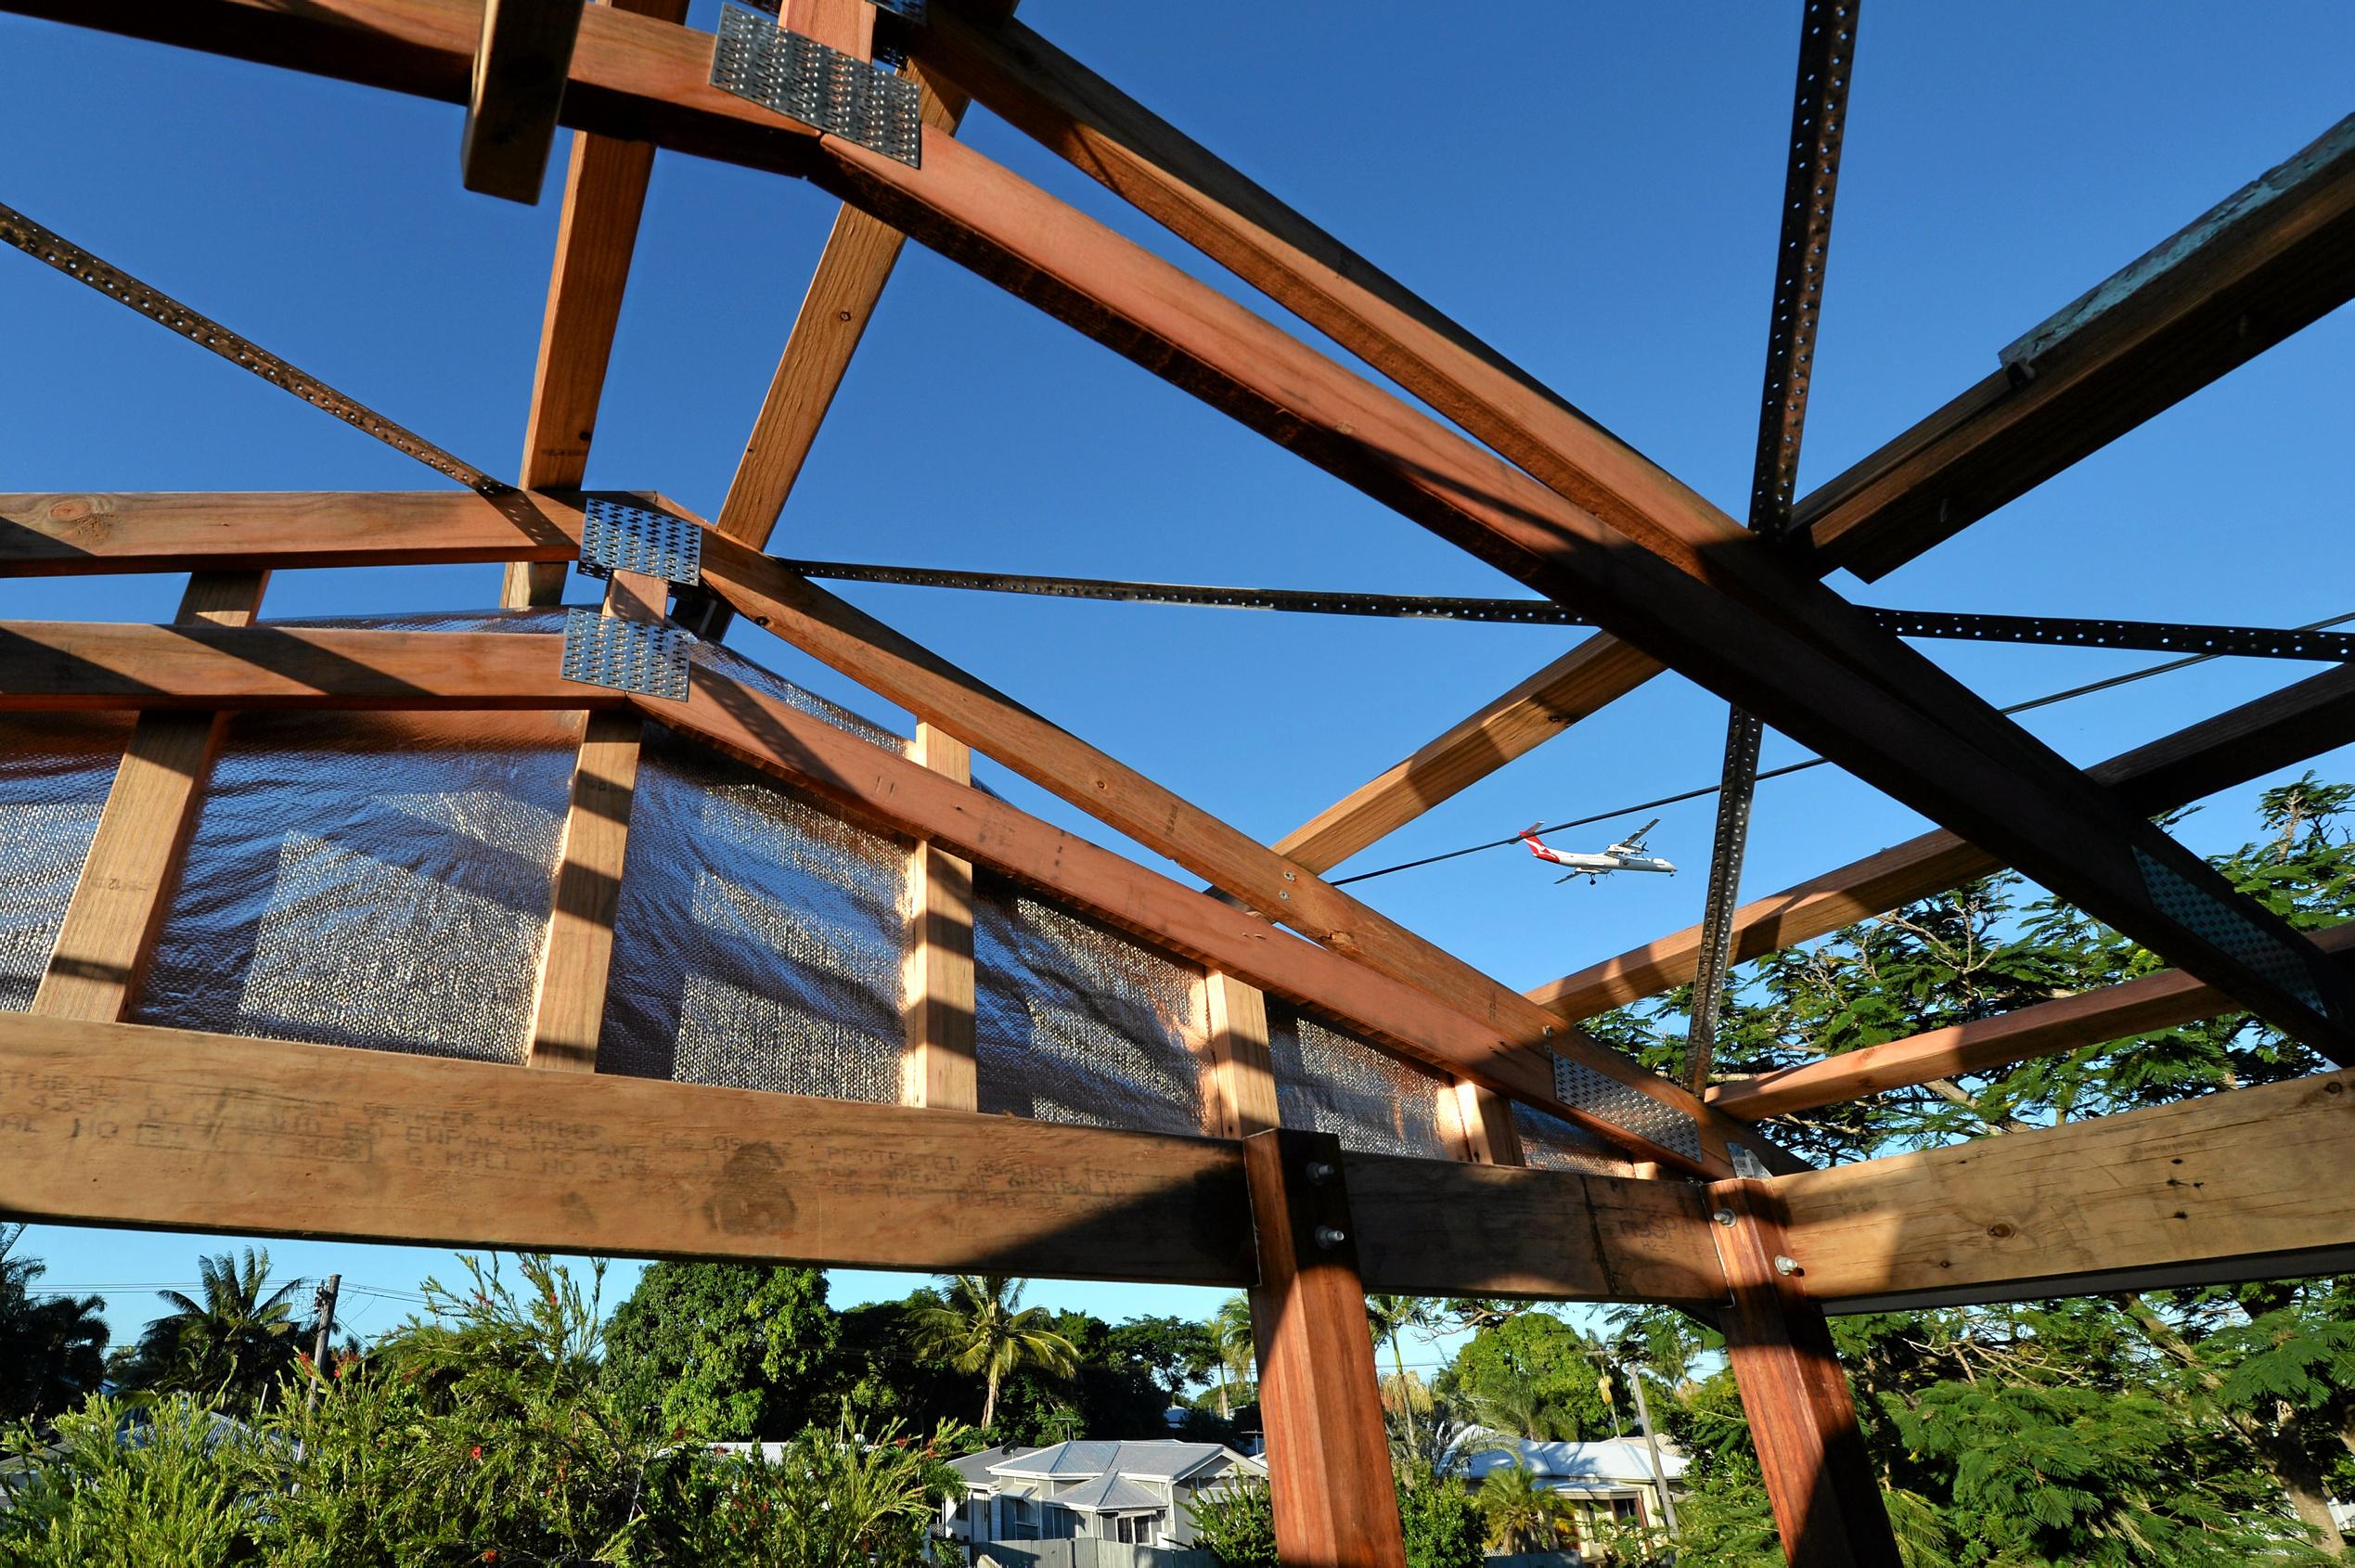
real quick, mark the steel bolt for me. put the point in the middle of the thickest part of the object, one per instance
(1786, 1265)
(1321, 1171)
(1331, 1236)
(1724, 1218)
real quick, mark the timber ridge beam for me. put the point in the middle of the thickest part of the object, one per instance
(1650, 561)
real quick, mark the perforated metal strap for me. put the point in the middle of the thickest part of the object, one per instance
(1605, 1099)
(618, 536)
(804, 80)
(194, 325)
(2225, 928)
(627, 655)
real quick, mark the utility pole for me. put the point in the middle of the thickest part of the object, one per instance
(323, 1310)
(1652, 1443)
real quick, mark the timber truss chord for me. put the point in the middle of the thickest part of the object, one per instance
(1683, 1199)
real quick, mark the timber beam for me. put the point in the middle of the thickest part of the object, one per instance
(78, 534)
(519, 66)
(118, 1124)
(48, 666)
(2250, 1183)
(1984, 1045)
(2269, 260)
(2230, 748)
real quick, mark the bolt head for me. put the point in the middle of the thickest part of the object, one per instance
(1331, 1236)
(1321, 1171)
(1724, 1218)
(1786, 1265)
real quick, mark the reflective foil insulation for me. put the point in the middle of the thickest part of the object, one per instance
(382, 880)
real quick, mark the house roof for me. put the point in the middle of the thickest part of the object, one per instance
(1161, 1460)
(1615, 1460)
(1107, 1493)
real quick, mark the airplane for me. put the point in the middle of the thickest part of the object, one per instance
(1626, 856)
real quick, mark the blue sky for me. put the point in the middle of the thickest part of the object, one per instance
(1594, 189)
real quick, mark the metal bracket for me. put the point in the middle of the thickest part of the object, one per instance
(804, 80)
(1746, 1163)
(618, 536)
(2225, 928)
(627, 655)
(1606, 1099)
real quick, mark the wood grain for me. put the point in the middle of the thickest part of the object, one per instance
(119, 1125)
(132, 865)
(72, 533)
(1328, 1458)
(2247, 1185)
(1819, 1479)
(2116, 1012)
(940, 1067)
(61, 664)
(1239, 1086)
(520, 62)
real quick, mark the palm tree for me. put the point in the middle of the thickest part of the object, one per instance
(982, 1327)
(236, 1339)
(1230, 1336)
(1523, 1515)
(1389, 1316)
(1518, 1410)
(53, 1352)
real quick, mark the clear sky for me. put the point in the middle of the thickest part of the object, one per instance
(1594, 189)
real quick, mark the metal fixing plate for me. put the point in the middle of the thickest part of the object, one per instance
(2225, 928)
(804, 80)
(627, 655)
(1603, 1097)
(618, 536)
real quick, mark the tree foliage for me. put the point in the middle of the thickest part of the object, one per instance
(730, 1350)
(229, 1343)
(53, 1350)
(2189, 1427)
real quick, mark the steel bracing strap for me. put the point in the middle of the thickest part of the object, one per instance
(2160, 636)
(162, 308)
(1818, 115)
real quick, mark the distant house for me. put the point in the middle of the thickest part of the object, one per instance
(1605, 1482)
(1134, 1492)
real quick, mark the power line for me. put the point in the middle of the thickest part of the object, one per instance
(2045, 702)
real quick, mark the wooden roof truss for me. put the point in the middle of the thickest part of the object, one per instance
(107, 1122)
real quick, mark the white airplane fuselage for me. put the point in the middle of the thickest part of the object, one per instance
(1609, 862)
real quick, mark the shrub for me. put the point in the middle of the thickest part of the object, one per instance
(127, 1486)
(1236, 1521)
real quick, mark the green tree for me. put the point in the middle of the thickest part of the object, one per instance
(52, 1352)
(1532, 1375)
(1174, 1351)
(1442, 1524)
(231, 1342)
(983, 1327)
(726, 1350)
(2192, 1427)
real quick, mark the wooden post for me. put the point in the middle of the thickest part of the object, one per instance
(1827, 1501)
(117, 910)
(1328, 1456)
(938, 1069)
(576, 957)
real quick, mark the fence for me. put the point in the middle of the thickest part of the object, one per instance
(1086, 1553)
